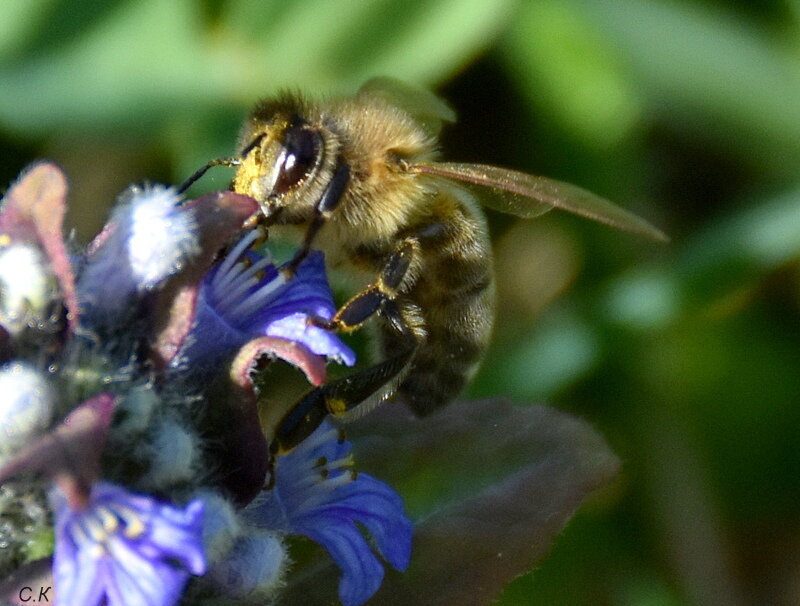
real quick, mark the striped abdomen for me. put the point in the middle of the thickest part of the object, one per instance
(453, 296)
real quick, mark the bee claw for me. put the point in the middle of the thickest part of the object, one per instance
(254, 221)
(320, 323)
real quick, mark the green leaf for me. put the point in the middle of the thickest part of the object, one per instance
(566, 66)
(544, 359)
(336, 45)
(712, 266)
(131, 66)
(144, 65)
(19, 23)
(705, 69)
(765, 235)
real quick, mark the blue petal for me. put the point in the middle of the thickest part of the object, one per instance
(211, 340)
(317, 495)
(308, 291)
(124, 548)
(362, 573)
(380, 509)
(75, 573)
(235, 306)
(320, 341)
(150, 582)
(174, 532)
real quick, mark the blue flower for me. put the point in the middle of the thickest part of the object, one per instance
(245, 296)
(317, 494)
(156, 328)
(123, 549)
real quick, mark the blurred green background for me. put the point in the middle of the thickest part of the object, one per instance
(684, 356)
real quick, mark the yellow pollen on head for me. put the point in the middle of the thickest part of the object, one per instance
(248, 174)
(336, 406)
(5, 240)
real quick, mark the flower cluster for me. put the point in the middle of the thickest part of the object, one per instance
(131, 449)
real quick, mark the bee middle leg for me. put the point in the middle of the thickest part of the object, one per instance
(362, 391)
(374, 297)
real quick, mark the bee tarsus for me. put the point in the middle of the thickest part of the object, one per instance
(348, 397)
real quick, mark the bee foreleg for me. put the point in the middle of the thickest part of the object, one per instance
(325, 206)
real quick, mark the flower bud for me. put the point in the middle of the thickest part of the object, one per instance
(254, 568)
(26, 286)
(26, 406)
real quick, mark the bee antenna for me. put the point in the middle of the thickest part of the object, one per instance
(220, 162)
(203, 170)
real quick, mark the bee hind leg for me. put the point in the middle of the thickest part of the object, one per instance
(348, 397)
(358, 393)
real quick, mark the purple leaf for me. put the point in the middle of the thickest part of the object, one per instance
(296, 354)
(70, 454)
(178, 324)
(490, 485)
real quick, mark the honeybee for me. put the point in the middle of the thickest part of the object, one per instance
(360, 178)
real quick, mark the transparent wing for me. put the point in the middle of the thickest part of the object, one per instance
(528, 196)
(421, 104)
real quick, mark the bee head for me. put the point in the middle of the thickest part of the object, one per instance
(287, 159)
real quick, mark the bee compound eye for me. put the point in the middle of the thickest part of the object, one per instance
(301, 149)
